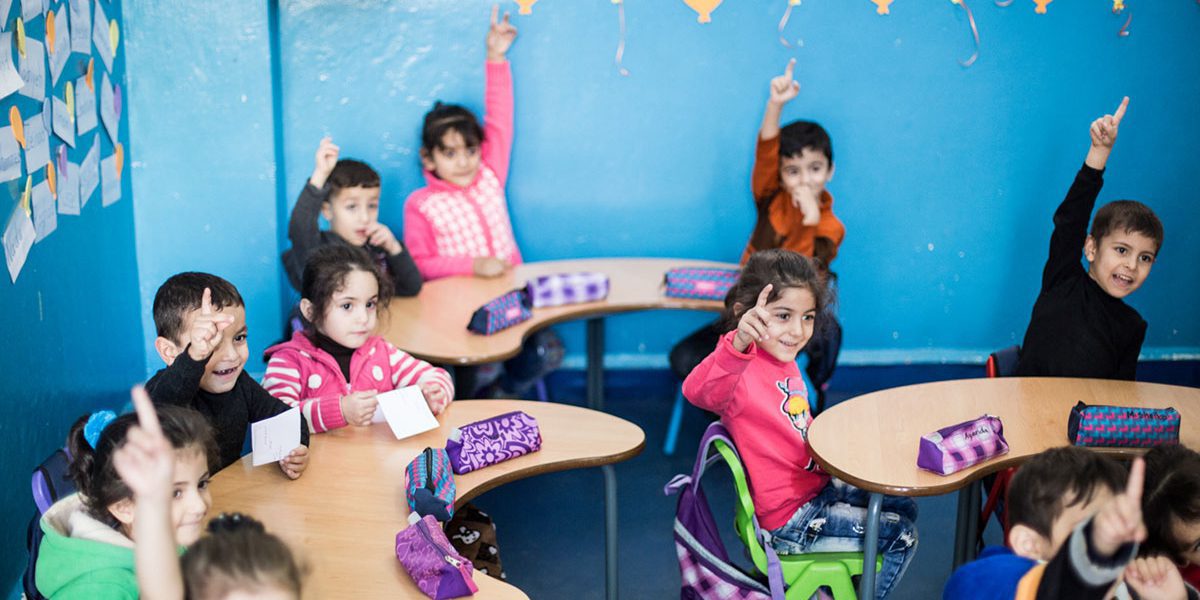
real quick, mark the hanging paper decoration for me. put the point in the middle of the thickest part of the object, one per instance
(119, 157)
(1041, 6)
(974, 32)
(1118, 6)
(620, 57)
(26, 195)
(51, 180)
(704, 8)
(882, 6)
(20, 27)
(526, 6)
(1003, 3)
(50, 32)
(18, 126)
(787, 14)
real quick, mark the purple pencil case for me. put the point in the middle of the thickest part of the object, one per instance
(490, 441)
(438, 570)
(704, 283)
(957, 447)
(567, 288)
(501, 313)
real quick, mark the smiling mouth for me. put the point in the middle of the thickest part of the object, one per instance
(1122, 280)
(225, 372)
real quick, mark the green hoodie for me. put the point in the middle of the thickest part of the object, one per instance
(83, 558)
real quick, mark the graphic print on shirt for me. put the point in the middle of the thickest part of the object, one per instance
(795, 403)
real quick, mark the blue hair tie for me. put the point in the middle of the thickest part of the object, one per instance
(96, 424)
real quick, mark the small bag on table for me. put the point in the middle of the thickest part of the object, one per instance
(954, 448)
(501, 313)
(429, 485)
(431, 561)
(702, 283)
(490, 441)
(1123, 426)
(567, 288)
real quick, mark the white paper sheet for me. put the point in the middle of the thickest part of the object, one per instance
(18, 239)
(85, 106)
(110, 181)
(68, 190)
(10, 79)
(63, 127)
(45, 215)
(62, 46)
(89, 172)
(33, 69)
(37, 144)
(406, 412)
(10, 155)
(32, 9)
(81, 26)
(108, 110)
(272, 439)
(100, 36)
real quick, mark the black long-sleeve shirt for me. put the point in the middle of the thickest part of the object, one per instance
(1077, 329)
(230, 413)
(306, 236)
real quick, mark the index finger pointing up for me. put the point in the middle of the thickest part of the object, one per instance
(206, 302)
(1120, 114)
(763, 295)
(147, 417)
(787, 72)
(495, 14)
(1137, 478)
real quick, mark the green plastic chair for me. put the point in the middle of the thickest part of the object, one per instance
(803, 573)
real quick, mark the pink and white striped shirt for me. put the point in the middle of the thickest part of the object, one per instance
(446, 226)
(301, 374)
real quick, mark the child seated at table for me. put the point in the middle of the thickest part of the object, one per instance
(751, 381)
(335, 366)
(458, 224)
(1081, 326)
(201, 323)
(1172, 506)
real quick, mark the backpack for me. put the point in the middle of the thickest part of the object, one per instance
(704, 565)
(49, 483)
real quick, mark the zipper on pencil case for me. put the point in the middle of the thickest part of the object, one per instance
(429, 538)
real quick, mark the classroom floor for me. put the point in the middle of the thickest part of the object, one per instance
(550, 527)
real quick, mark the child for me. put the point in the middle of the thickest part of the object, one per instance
(201, 323)
(88, 548)
(752, 382)
(238, 559)
(334, 368)
(458, 224)
(1080, 326)
(346, 193)
(1172, 504)
(792, 166)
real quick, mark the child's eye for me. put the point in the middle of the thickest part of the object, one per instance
(371, 303)
(1120, 250)
(472, 151)
(239, 338)
(810, 317)
(178, 493)
(1146, 258)
(203, 484)
(783, 316)
(449, 153)
(346, 306)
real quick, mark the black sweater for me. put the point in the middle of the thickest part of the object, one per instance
(306, 236)
(230, 414)
(1077, 329)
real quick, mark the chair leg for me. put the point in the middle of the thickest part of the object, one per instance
(673, 425)
(542, 393)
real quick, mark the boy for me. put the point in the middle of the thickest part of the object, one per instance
(346, 193)
(1080, 326)
(792, 166)
(201, 323)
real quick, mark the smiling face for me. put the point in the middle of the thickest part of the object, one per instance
(352, 313)
(809, 169)
(453, 160)
(190, 498)
(228, 359)
(790, 325)
(1120, 261)
(351, 212)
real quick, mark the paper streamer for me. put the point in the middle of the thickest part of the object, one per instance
(1124, 31)
(787, 14)
(1004, 3)
(620, 57)
(881, 6)
(1118, 6)
(974, 33)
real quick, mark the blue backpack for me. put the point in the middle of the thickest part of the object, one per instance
(50, 482)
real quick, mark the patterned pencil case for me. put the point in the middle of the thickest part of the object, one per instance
(429, 558)
(954, 448)
(1125, 426)
(490, 441)
(703, 283)
(501, 313)
(567, 288)
(429, 484)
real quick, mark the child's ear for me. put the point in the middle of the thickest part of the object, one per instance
(426, 159)
(1089, 249)
(122, 511)
(327, 209)
(306, 309)
(1028, 543)
(167, 350)
(832, 168)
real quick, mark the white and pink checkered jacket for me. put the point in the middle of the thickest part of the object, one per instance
(446, 226)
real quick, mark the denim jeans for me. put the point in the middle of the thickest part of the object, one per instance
(834, 521)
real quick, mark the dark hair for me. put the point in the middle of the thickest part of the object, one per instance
(93, 471)
(798, 135)
(184, 293)
(325, 275)
(1127, 215)
(239, 555)
(348, 173)
(782, 269)
(1059, 477)
(1172, 495)
(450, 117)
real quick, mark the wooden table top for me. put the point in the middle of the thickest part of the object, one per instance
(871, 441)
(343, 514)
(433, 325)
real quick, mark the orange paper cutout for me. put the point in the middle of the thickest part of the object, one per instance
(20, 37)
(50, 32)
(526, 6)
(88, 77)
(1118, 6)
(18, 126)
(882, 6)
(704, 8)
(1041, 6)
(51, 180)
(120, 157)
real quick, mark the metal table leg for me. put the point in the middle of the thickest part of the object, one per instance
(966, 532)
(866, 585)
(610, 532)
(595, 363)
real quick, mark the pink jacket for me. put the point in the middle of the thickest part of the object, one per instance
(303, 375)
(446, 226)
(764, 404)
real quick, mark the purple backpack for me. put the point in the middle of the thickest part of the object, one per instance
(704, 564)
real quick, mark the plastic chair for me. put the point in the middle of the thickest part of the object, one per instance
(1001, 363)
(803, 573)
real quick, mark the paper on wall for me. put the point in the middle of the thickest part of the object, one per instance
(10, 155)
(37, 144)
(68, 190)
(81, 26)
(63, 127)
(62, 47)
(110, 181)
(101, 37)
(18, 239)
(45, 216)
(10, 79)
(85, 106)
(89, 172)
(108, 109)
(33, 70)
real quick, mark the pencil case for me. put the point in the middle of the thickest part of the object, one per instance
(429, 484)
(702, 283)
(437, 569)
(501, 313)
(567, 288)
(954, 448)
(491, 441)
(1125, 426)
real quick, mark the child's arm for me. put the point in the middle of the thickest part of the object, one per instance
(1157, 578)
(405, 274)
(261, 405)
(1127, 369)
(498, 97)
(764, 180)
(422, 245)
(1071, 218)
(436, 384)
(303, 230)
(285, 380)
(711, 384)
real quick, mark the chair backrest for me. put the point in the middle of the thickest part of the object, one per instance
(51, 480)
(743, 511)
(1003, 362)
(33, 543)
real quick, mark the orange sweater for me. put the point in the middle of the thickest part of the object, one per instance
(781, 224)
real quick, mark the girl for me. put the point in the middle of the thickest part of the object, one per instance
(88, 548)
(335, 366)
(1171, 505)
(752, 382)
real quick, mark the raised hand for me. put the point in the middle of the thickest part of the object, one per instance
(1155, 578)
(753, 327)
(327, 157)
(207, 328)
(435, 397)
(489, 266)
(358, 408)
(500, 36)
(381, 236)
(1120, 521)
(146, 462)
(1104, 129)
(294, 464)
(785, 87)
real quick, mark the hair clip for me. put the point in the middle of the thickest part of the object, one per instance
(96, 424)
(227, 522)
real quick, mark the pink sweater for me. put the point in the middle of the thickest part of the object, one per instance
(446, 226)
(764, 404)
(303, 375)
